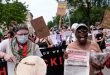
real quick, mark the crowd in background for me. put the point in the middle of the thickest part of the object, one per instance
(76, 36)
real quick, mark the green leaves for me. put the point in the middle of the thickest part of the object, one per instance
(15, 11)
(50, 24)
(84, 11)
(87, 12)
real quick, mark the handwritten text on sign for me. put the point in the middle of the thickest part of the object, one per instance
(78, 57)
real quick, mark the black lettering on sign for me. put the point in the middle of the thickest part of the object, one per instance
(3, 71)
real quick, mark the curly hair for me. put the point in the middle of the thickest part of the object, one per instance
(20, 27)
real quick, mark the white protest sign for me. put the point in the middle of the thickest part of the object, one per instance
(67, 33)
(94, 32)
(77, 63)
(107, 41)
(53, 38)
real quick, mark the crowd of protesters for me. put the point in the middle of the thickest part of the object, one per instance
(18, 44)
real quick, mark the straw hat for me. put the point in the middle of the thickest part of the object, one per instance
(31, 65)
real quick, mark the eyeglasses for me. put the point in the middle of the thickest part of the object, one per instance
(23, 34)
(82, 30)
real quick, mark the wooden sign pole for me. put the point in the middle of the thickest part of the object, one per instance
(60, 21)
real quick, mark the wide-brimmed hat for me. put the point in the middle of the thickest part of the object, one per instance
(31, 65)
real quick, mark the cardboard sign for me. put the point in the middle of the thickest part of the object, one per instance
(106, 20)
(40, 27)
(77, 63)
(61, 10)
(78, 58)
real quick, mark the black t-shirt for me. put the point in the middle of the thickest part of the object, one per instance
(101, 44)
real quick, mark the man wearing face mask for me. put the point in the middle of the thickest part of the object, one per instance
(82, 43)
(18, 47)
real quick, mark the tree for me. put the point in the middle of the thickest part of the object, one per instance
(86, 11)
(50, 24)
(55, 22)
(14, 11)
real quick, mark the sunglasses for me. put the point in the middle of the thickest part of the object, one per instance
(82, 30)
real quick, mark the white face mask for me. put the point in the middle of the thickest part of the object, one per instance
(22, 39)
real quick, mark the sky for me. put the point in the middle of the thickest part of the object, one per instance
(45, 8)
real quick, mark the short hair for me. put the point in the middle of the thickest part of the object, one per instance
(66, 27)
(31, 65)
(11, 33)
(20, 27)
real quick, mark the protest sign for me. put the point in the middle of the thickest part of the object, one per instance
(61, 10)
(40, 27)
(67, 33)
(107, 40)
(77, 63)
(94, 33)
(54, 60)
(53, 38)
(3, 67)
